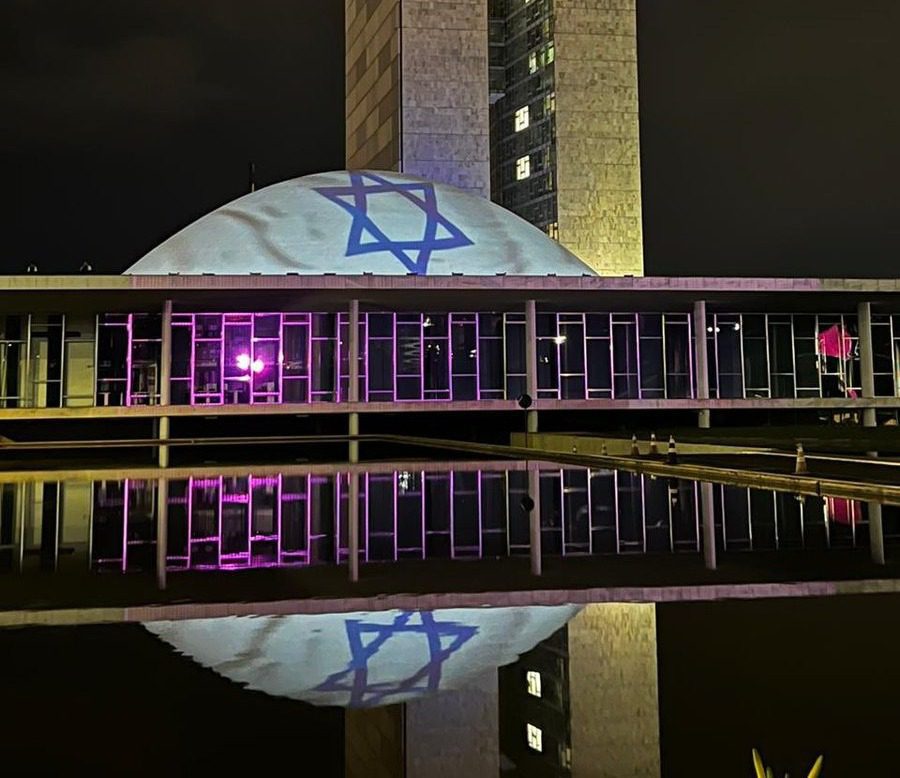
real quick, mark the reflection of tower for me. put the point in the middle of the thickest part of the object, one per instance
(584, 702)
(533, 103)
(535, 738)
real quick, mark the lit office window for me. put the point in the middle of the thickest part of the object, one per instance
(533, 683)
(523, 168)
(553, 230)
(534, 737)
(550, 103)
(551, 53)
(521, 119)
(532, 62)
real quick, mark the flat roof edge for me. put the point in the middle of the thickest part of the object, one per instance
(46, 283)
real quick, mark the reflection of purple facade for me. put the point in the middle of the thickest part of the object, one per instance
(300, 518)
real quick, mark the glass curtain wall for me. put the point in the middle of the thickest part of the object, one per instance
(797, 355)
(614, 355)
(523, 128)
(244, 358)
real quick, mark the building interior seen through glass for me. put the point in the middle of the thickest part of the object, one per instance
(244, 358)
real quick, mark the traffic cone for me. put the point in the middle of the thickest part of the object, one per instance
(654, 449)
(635, 451)
(800, 467)
(603, 451)
(672, 454)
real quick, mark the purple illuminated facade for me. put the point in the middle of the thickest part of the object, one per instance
(253, 358)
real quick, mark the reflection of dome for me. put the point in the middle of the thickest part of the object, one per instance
(363, 659)
(362, 221)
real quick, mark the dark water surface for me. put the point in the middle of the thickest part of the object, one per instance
(791, 677)
(794, 678)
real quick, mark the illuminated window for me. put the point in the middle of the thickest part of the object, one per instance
(521, 119)
(533, 683)
(535, 741)
(550, 103)
(523, 168)
(551, 53)
(532, 62)
(553, 230)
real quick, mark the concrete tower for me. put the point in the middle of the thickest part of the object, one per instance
(532, 102)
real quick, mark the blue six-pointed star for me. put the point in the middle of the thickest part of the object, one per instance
(355, 678)
(366, 237)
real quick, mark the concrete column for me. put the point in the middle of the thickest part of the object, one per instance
(534, 518)
(876, 532)
(353, 389)
(353, 527)
(165, 374)
(531, 381)
(866, 359)
(708, 518)
(455, 732)
(701, 361)
(162, 530)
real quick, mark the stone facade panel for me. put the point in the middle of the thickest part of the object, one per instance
(597, 134)
(613, 691)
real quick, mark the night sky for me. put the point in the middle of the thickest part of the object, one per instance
(769, 129)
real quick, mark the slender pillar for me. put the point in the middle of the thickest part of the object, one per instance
(708, 517)
(531, 381)
(165, 374)
(701, 361)
(353, 388)
(867, 381)
(162, 530)
(876, 532)
(353, 527)
(866, 360)
(534, 518)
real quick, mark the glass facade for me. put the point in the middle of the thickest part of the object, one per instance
(523, 131)
(300, 518)
(794, 356)
(303, 357)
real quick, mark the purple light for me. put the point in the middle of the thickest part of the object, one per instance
(258, 365)
(243, 361)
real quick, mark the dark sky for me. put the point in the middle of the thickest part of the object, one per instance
(769, 128)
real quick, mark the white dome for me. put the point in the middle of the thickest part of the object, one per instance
(363, 659)
(351, 222)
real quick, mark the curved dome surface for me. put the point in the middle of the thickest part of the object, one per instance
(363, 659)
(352, 222)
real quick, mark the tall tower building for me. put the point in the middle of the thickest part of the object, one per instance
(531, 102)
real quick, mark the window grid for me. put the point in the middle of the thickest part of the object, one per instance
(304, 357)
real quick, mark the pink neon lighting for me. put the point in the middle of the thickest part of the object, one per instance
(243, 361)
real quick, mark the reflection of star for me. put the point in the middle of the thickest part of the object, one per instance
(355, 678)
(366, 237)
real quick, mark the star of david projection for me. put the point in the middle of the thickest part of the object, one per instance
(442, 639)
(366, 237)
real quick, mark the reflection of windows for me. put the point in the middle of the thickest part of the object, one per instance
(532, 62)
(550, 103)
(550, 53)
(553, 230)
(523, 168)
(534, 737)
(521, 119)
(533, 683)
